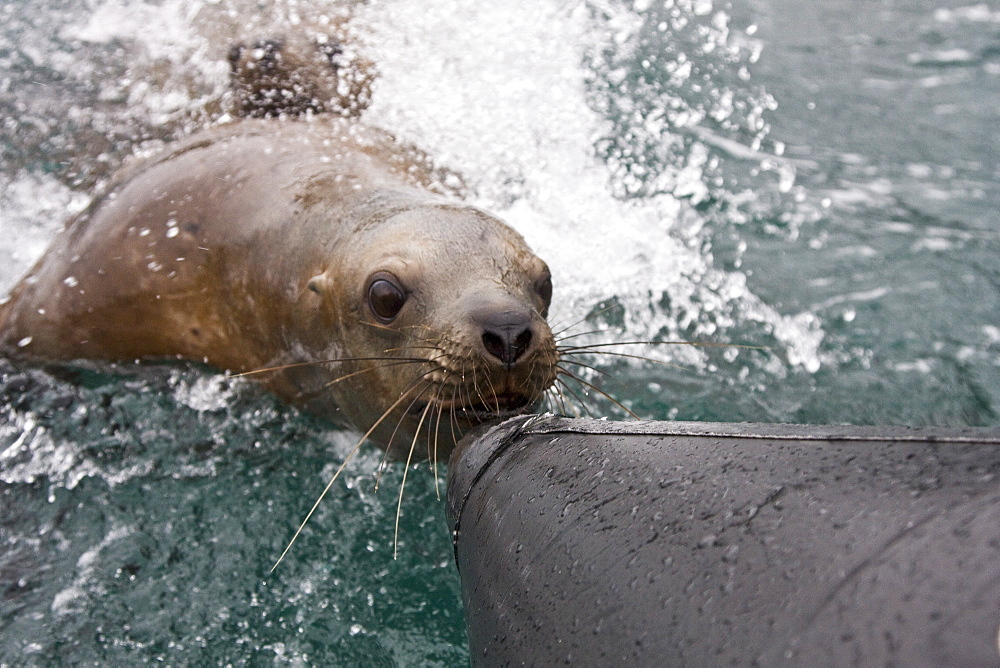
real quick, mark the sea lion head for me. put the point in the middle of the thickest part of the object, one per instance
(444, 306)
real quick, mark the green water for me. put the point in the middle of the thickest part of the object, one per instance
(144, 506)
(140, 529)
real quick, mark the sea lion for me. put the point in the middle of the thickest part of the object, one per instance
(278, 244)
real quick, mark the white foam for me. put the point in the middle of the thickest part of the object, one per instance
(204, 393)
(69, 601)
(33, 454)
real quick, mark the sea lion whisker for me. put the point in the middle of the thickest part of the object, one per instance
(372, 368)
(402, 484)
(561, 396)
(397, 330)
(585, 366)
(550, 396)
(589, 332)
(557, 333)
(434, 399)
(559, 389)
(567, 357)
(434, 331)
(483, 401)
(406, 330)
(587, 402)
(547, 403)
(453, 415)
(475, 386)
(595, 369)
(463, 397)
(549, 361)
(578, 398)
(434, 457)
(336, 475)
(399, 348)
(699, 344)
(333, 360)
(555, 399)
(577, 378)
(493, 390)
(388, 446)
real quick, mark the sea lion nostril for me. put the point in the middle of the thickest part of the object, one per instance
(507, 344)
(521, 343)
(494, 344)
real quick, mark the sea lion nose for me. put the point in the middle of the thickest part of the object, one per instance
(507, 335)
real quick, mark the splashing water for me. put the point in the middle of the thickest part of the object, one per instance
(503, 98)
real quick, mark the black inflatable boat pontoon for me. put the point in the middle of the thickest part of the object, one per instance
(586, 542)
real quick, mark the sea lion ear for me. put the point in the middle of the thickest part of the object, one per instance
(319, 283)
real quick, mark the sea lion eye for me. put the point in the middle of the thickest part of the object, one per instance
(385, 297)
(543, 287)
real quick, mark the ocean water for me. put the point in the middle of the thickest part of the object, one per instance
(822, 179)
